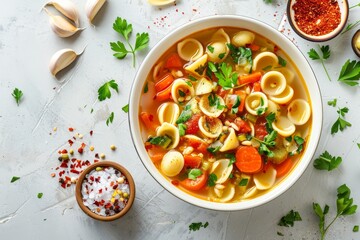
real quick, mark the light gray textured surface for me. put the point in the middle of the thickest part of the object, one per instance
(29, 151)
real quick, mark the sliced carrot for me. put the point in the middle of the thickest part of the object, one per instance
(248, 160)
(156, 153)
(253, 47)
(174, 61)
(148, 121)
(192, 161)
(251, 78)
(164, 94)
(283, 168)
(242, 96)
(194, 185)
(164, 82)
(257, 87)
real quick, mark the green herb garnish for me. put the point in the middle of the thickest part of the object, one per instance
(226, 77)
(332, 102)
(110, 119)
(267, 68)
(289, 219)
(221, 55)
(235, 106)
(243, 182)
(231, 157)
(40, 195)
(340, 123)
(185, 115)
(125, 108)
(269, 120)
(241, 55)
(146, 87)
(104, 91)
(350, 26)
(261, 110)
(325, 50)
(181, 93)
(162, 141)
(194, 173)
(300, 143)
(14, 179)
(350, 73)
(182, 128)
(210, 48)
(197, 225)
(356, 228)
(282, 61)
(17, 94)
(344, 205)
(211, 180)
(269, 141)
(327, 162)
(121, 26)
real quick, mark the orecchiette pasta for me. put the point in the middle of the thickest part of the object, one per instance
(190, 49)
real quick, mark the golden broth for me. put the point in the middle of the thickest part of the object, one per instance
(149, 104)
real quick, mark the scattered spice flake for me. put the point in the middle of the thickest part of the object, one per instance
(71, 129)
(91, 132)
(40, 195)
(14, 179)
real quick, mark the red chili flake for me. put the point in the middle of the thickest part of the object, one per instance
(96, 203)
(91, 132)
(64, 151)
(100, 190)
(96, 155)
(115, 186)
(70, 142)
(71, 129)
(317, 17)
(74, 171)
(96, 160)
(73, 159)
(91, 178)
(80, 150)
(108, 205)
(64, 164)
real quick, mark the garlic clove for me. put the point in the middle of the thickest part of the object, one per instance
(61, 59)
(67, 8)
(160, 2)
(92, 8)
(61, 26)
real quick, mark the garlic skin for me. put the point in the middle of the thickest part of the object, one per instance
(93, 7)
(67, 8)
(61, 59)
(61, 26)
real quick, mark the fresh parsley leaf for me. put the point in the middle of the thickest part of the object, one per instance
(344, 207)
(125, 108)
(14, 179)
(356, 228)
(282, 61)
(241, 55)
(221, 55)
(327, 162)
(110, 119)
(211, 180)
(269, 141)
(181, 93)
(162, 141)
(358, 145)
(185, 115)
(192, 78)
(213, 149)
(146, 87)
(340, 123)
(350, 73)
(280, 234)
(40, 195)
(261, 109)
(104, 91)
(314, 55)
(267, 68)
(214, 100)
(194, 173)
(231, 157)
(210, 48)
(300, 143)
(289, 139)
(243, 182)
(142, 40)
(269, 120)
(189, 83)
(268, 1)
(289, 219)
(182, 127)
(197, 225)
(350, 26)
(226, 77)
(332, 102)
(212, 67)
(17, 94)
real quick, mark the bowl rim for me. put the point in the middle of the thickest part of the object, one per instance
(124, 171)
(321, 38)
(134, 111)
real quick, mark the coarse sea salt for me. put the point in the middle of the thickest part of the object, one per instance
(105, 191)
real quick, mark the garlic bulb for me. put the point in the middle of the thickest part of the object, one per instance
(61, 59)
(67, 8)
(93, 7)
(61, 26)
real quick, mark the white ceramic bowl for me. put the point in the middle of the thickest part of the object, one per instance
(226, 21)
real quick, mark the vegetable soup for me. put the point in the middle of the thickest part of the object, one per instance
(225, 115)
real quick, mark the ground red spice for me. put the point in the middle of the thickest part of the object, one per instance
(317, 17)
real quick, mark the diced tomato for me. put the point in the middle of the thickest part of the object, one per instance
(148, 121)
(192, 161)
(253, 47)
(260, 129)
(164, 82)
(203, 148)
(195, 185)
(242, 125)
(192, 125)
(164, 94)
(174, 61)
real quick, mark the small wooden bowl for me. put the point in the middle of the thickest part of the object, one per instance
(344, 11)
(116, 166)
(353, 43)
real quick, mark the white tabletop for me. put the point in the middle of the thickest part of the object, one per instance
(29, 144)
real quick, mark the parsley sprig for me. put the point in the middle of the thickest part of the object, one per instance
(327, 162)
(351, 25)
(340, 123)
(197, 225)
(110, 119)
(142, 40)
(289, 219)
(268, 142)
(17, 94)
(241, 55)
(344, 205)
(227, 79)
(350, 73)
(314, 55)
